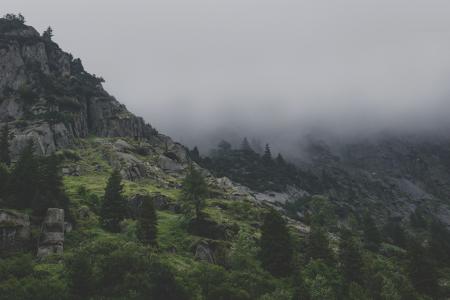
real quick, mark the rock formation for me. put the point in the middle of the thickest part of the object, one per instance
(48, 96)
(14, 229)
(51, 240)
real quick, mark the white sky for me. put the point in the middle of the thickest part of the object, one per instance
(187, 65)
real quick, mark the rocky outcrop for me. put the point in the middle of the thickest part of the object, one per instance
(48, 97)
(51, 240)
(14, 229)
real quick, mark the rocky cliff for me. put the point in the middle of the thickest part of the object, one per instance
(46, 95)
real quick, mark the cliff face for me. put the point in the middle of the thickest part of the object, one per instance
(46, 95)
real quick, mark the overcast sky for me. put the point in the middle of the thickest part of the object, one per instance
(187, 65)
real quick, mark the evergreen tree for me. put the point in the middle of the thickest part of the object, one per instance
(51, 189)
(147, 230)
(301, 290)
(372, 237)
(318, 245)
(267, 156)
(4, 180)
(245, 146)
(113, 207)
(350, 258)
(5, 137)
(394, 230)
(422, 271)
(224, 147)
(48, 33)
(24, 180)
(195, 155)
(440, 242)
(194, 192)
(276, 246)
(280, 160)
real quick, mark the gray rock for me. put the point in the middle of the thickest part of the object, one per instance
(14, 229)
(169, 165)
(51, 240)
(204, 252)
(122, 146)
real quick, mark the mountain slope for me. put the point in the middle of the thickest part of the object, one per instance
(47, 95)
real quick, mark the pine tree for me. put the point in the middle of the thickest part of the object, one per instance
(113, 207)
(276, 246)
(4, 180)
(301, 290)
(48, 33)
(422, 271)
(194, 193)
(350, 258)
(195, 154)
(280, 160)
(5, 137)
(245, 146)
(24, 180)
(267, 156)
(372, 237)
(318, 245)
(51, 189)
(147, 230)
(224, 147)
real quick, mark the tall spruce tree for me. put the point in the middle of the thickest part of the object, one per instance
(194, 193)
(51, 189)
(113, 208)
(194, 154)
(372, 236)
(280, 160)
(245, 146)
(5, 137)
(350, 258)
(318, 246)
(4, 181)
(276, 245)
(267, 156)
(24, 181)
(422, 271)
(147, 222)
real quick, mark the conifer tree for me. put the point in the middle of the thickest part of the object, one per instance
(224, 147)
(24, 179)
(48, 33)
(113, 208)
(245, 146)
(194, 192)
(147, 221)
(301, 290)
(267, 156)
(350, 258)
(276, 245)
(422, 271)
(372, 237)
(4, 180)
(51, 189)
(318, 245)
(5, 137)
(195, 154)
(280, 160)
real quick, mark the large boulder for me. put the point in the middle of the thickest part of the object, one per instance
(51, 240)
(169, 164)
(14, 229)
